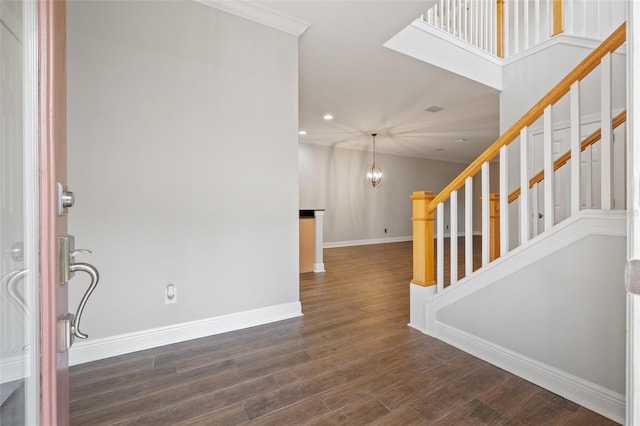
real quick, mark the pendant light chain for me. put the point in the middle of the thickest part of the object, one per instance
(374, 148)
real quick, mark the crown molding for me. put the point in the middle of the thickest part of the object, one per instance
(261, 14)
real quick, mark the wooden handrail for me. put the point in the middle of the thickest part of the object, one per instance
(588, 64)
(562, 160)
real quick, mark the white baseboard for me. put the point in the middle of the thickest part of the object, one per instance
(334, 244)
(349, 243)
(590, 395)
(96, 349)
(318, 267)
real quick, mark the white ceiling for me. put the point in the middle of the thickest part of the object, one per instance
(345, 70)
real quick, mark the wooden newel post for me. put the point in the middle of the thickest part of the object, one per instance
(494, 226)
(423, 249)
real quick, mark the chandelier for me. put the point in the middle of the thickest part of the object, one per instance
(374, 173)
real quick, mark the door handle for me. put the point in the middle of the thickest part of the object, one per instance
(12, 282)
(69, 324)
(95, 277)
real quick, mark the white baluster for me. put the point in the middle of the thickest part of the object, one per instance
(459, 13)
(568, 13)
(537, 21)
(466, 20)
(485, 213)
(487, 29)
(454, 18)
(524, 186)
(440, 247)
(481, 19)
(549, 185)
(525, 23)
(549, 29)
(607, 131)
(455, 10)
(575, 147)
(453, 236)
(476, 8)
(448, 17)
(507, 32)
(494, 27)
(468, 226)
(504, 201)
(436, 10)
(585, 17)
(516, 27)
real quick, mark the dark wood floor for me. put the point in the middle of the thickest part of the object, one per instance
(350, 360)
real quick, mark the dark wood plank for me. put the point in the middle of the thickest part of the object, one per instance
(300, 412)
(361, 412)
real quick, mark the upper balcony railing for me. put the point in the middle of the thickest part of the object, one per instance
(506, 27)
(475, 22)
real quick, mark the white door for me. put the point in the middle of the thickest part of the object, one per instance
(19, 303)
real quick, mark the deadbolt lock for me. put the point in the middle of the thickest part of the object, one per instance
(66, 199)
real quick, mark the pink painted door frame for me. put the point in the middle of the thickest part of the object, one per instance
(52, 158)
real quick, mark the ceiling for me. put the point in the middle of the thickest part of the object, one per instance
(346, 71)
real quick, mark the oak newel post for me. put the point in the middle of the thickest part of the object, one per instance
(423, 249)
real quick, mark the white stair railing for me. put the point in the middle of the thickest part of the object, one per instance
(472, 21)
(506, 27)
(534, 179)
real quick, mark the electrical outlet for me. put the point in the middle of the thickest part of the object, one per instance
(170, 294)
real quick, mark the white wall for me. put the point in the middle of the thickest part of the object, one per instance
(334, 179)
(183, 157)
(566, 311)
(526, 81)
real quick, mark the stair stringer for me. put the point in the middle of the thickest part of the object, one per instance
(581, 355)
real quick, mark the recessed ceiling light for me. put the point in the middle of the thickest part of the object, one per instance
(433, 109)
(328, 117)
(460, 140)
(439, 149)
(302, 132)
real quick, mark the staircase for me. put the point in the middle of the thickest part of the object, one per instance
(548, 302)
